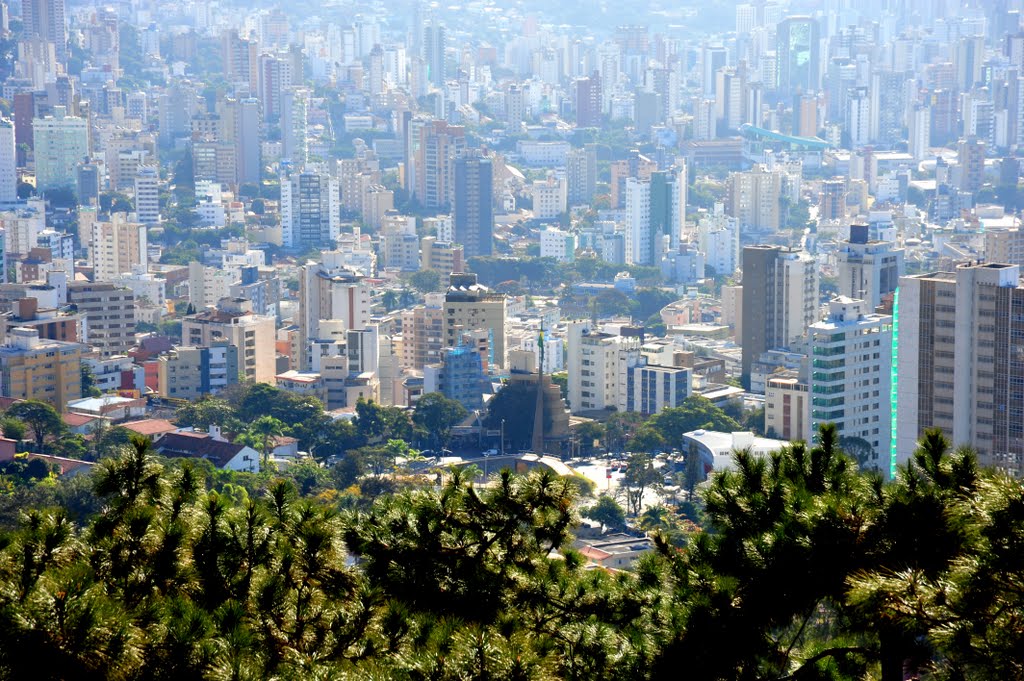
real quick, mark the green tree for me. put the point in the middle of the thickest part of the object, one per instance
(606, 511)
(436, 415)
(89, 382)
(426, 281)
(12, 428)
(588, 433)
(263, 430)
(620, 428)
(40, 417)
(695, 413)
(389, 300)
(205, 412)
(639, 477)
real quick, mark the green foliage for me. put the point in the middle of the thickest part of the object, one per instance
(12, 428)
(89, 382)
(606, 511)
(426, 281)
(808, 569)
(41, 418)
(435, 415)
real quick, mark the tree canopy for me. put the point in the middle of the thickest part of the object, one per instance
(806, 568)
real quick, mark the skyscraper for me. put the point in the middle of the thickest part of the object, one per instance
(589, 107)
(147, 195)
(655, 212)
(247, 140)
(61, 143)
(439, 145)
(473, 213)
(797, 46)
(581, 174)
(851, 373)
(780, 299)
(8, 162)
(310, 210)
(958, 336)
(46, 20)
(434, 47)
(294, 115)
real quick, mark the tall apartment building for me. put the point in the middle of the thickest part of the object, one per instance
(851, 374)
(116, 247)
(61, 143)
(581, 174)
(473, 212)
(655, 214)
(328, 291)
(241, 60)
(597, 364)
(310, 210)
(971, 159)
(958, 336)
(8, 162)
(470, 307)
(188, 373)
(589, 101)
(39, 369)
(294, 122)
(46, 20)
(434, 47)
(753, 198)
(550, 197)
(234, 321)
(109, 316)
(439, 144)
(780, 299)
(868, 269)
(423, 333)
(147, 195)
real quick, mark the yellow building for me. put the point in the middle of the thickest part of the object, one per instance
(38, 369)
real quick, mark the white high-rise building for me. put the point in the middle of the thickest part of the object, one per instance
(718, 237)
(858, 117)
(294, 115)
(638, 220)
(920, 125)
(147, 195)
(851, 373)
(117, 247)
(655, 215)
(597, 364)
(8, 162)
(310, 210)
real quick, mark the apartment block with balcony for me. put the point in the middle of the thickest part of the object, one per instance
(851, 373)
(32, 368)
(234, 322)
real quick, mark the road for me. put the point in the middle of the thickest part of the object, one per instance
(597, 473)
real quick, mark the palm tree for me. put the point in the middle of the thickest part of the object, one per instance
(389, 300)
(263, 430)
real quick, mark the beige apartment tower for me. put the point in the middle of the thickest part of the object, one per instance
(960, 339)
